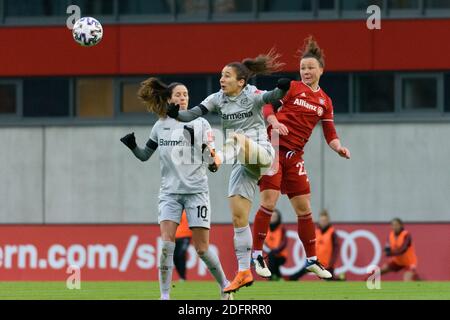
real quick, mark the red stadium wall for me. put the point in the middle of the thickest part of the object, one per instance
(205, 48)
(129, 252)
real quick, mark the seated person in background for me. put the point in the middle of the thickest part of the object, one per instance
(401, 252)
(275, 245)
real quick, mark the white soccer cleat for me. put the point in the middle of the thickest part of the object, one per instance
(316, 267)
(261, 267)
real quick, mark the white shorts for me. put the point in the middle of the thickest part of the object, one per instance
(244, 177)
(197, 206)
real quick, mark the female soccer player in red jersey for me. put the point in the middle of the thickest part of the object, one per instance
(304, 105)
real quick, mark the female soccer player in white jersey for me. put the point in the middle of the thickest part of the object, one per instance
(184, 184)
(239, 105)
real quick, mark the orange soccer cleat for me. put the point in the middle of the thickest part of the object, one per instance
(243, 278)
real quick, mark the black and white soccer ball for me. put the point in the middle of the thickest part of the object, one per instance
(87, 32)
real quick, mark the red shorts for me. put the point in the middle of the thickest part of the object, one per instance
(287, 174)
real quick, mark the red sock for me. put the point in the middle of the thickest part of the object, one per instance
(307, 234)
(260, 227)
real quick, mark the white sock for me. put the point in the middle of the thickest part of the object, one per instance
(243, 246)
(257, 253)
(313, 258)
(212, 261)
(165, 268)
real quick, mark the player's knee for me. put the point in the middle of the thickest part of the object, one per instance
(201, 250)
(269, 204)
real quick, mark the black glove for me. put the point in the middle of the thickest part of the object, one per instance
(188, 133)
(276, 105)
(172, 110)
(129, 140)
(284, 84)
(208, 157)
(388, 251)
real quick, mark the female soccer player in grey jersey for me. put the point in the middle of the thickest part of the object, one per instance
(239, 105)
(184, 184)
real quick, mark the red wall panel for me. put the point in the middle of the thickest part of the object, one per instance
(130, 252)
(205, 48)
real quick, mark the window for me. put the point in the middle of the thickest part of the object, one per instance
(360, 4)
(94, 97)
(231, 6)
(144, 7)
(46, 97)
(419, 93)
(8, 98)
(336, 86)
(326, 4)
(375, 93)
(403, 4)
(285, 5)
(193, 7)
(31, 8)
(270, 82)
(130, 101)
(447, 92)
(437, 4)
(95, 7)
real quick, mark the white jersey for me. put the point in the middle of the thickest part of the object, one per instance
(182, 168)
(240, 114)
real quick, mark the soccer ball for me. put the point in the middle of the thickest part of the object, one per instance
(87, 32)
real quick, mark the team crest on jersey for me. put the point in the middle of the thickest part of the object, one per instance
(244, 102)
(319, 111)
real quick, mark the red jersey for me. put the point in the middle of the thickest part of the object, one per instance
(301, 110)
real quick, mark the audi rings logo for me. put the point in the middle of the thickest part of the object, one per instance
(348, 250)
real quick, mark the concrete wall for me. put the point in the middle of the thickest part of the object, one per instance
(85, 175)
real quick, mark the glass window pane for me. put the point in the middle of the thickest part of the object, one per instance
(145, 7)
(326, 4)
(447, 92)
(7, 98)
(31, 8)
(194, 7)
(270, 82)
(285, 5)
(95, 7)
(227, 6)
(360, 4)
(419, 93)
(335, 86)
(94, 97)
(197, 86)
(403, 4)
(437, 4)
(46, 97)
(130, 101)
(376, 93)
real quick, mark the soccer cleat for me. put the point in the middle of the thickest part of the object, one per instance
(261, 267)
(316, 267)
(226, 296)
(243, 278)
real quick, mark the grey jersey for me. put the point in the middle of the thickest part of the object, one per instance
(240, 114)
(182, 168)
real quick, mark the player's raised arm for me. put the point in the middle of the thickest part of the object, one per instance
(142, 154)
(173, 111)
(279, 92)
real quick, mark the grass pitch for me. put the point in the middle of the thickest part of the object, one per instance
(206, 290)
